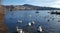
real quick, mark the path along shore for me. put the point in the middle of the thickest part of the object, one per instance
(3, 28)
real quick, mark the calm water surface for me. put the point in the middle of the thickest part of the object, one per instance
(49, 22)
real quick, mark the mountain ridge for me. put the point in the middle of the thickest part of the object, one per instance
(29, 7)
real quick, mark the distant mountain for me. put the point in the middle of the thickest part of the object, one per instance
(29, 7)
(40, 7)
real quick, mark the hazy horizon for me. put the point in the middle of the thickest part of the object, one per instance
(45, 3)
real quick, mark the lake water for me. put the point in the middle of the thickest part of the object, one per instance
(49, 22)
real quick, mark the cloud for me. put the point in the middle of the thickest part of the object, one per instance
(47, 3)
(56, 4)
(40, 2)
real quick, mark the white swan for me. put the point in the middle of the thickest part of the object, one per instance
(29, 23)
(19, 30)
(20, 21)
(40, 28)
(33, 22)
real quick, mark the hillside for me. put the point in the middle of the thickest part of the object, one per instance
(29, 7)
(40, 7)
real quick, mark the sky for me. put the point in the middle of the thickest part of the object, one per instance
(47, 3)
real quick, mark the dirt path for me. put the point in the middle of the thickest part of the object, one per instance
(3, 28)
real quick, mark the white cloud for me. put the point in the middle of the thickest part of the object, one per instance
(49, 3)
(56, 4)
